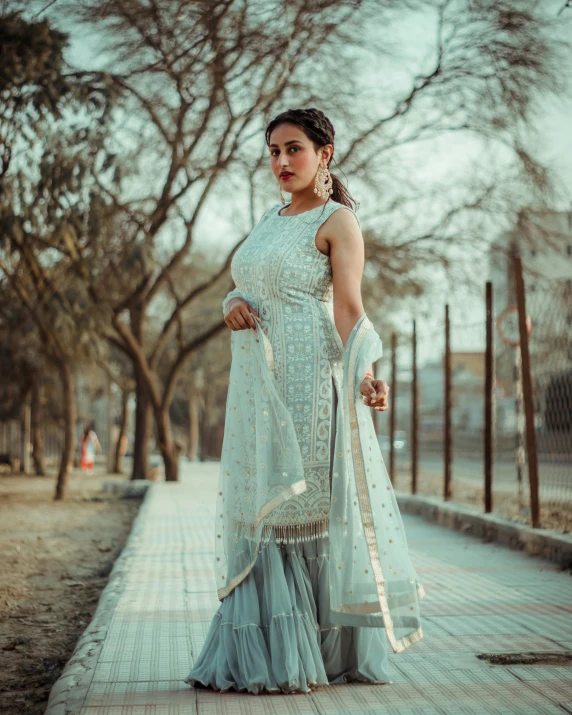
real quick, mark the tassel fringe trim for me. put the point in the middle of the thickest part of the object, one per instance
(285, 533)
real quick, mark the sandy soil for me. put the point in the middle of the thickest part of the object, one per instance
(55, 559)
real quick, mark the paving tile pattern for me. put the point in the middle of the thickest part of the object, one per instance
(481, 597)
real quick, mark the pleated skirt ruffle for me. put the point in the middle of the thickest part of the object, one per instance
(272, 633)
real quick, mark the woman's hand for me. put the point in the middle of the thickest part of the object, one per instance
(238, 315)
(375, 394)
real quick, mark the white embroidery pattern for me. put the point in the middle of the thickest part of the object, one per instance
(281, 273)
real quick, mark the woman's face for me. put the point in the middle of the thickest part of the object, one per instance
(291, 151)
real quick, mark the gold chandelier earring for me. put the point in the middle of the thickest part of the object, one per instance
(282, 196)
(323, 185)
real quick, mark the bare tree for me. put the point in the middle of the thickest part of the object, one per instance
(200, 80)
(43, 201)
(198, 77)
(206, 77)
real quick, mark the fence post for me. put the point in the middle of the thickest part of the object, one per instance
(448, 438)
(527, 393)
(414, 415)
(392, 407)
(489, 400)
(520, 452)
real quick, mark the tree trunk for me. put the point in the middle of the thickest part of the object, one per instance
(118, 458)
(167, 445)
(143, 427)
(37, 445)
(143, 407)
(70, 411)
(25, 429)
(209, 401)
(194, 408)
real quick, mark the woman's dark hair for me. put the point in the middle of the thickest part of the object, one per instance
(320, 131)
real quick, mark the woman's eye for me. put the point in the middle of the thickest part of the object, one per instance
(273, 152)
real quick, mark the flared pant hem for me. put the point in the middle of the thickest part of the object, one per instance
(273, 634)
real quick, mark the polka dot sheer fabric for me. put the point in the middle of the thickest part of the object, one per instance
(372, 581)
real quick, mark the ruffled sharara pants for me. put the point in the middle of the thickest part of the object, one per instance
(272, 632)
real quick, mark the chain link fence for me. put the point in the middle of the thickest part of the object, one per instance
(549, 306)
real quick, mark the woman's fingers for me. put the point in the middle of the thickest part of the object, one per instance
(382, 391)
(255, 316)
(242, 317)
(378, 400)
(379, 405)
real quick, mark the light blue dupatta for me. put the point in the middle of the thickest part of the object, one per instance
(371, 578)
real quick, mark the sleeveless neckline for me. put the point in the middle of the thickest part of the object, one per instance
(302, 213)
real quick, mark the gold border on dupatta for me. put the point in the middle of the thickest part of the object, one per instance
(292, 491)
(400, 644)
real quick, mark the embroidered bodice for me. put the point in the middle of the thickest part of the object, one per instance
(282, 274)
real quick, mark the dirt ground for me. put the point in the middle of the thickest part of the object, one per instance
(553, 515)
(55, 559)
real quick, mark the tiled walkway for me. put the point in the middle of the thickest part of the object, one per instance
(481, 597)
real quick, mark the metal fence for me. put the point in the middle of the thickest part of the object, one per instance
(52, 436)
(12, 443)
(512, 454)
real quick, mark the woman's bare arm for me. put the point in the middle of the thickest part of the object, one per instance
(347, 257)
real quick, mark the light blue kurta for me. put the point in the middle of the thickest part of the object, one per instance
(272, 632)
(279, 271)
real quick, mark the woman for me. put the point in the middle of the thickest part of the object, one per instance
(312, 564)
(89, 445)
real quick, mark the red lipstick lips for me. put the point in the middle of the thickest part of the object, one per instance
(286, 175)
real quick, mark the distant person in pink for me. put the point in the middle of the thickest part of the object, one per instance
(89, 445)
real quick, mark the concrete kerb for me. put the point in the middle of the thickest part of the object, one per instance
(69, 692)
(549, 543)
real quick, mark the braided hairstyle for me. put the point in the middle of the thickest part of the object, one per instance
(320, 131)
